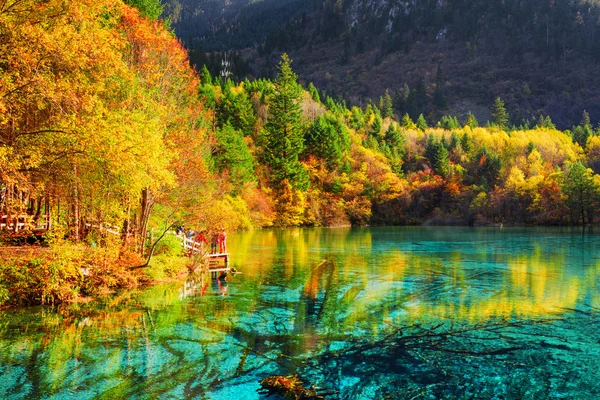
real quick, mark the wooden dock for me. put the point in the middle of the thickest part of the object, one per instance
(218, 263)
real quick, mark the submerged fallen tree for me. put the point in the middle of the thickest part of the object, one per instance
(290, 387)
(414, 361)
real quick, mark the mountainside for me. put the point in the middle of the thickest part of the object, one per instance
(540, 56)
(216, 25)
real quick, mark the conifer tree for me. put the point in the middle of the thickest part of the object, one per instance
(441, 161)
(581, 135)
(236, 110)
(284, 133)
(437, 154)
(407, 122)
(431, 148)
(376, 127)
(585, 119)
(205, 76)
(454, 141)
(582, 192)
(545, 122)
(421, 122)
(448, 122)
(466, 142)
(314, 93)
(232, 154)
(328, 139)
(471, 120)
(394, 137)
(499, 114)
(386, 105)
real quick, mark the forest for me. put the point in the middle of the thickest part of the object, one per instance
(540, 56)
(105, 127)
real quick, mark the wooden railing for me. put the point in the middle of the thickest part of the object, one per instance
(23, 222)
(190, 245)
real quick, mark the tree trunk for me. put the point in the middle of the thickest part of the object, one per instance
(47, 212)
(147, 202)
(127, 226)
(38, 211)
(75, 208)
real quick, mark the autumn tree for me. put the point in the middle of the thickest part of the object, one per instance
(148, 8)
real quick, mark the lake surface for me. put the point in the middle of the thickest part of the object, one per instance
(369, 313)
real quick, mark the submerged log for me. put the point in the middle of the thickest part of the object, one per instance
(290, 387)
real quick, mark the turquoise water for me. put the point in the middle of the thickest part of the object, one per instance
(370, 313)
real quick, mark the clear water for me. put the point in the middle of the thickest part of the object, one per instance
(371, 313)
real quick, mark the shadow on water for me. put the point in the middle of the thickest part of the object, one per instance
(364, 313)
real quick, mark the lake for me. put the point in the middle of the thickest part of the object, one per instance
(361, 313)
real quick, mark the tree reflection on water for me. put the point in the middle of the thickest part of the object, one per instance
(360, 313)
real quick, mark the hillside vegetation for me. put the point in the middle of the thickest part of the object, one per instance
(540, 56)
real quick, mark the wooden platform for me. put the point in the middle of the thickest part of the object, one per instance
(218, 260)
(218, 264)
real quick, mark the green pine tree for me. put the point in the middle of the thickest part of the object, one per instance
(236, 110)
(205, 76)
(376, 126)
(394, 137)
(441, 161)
(585, 119)
(231, 154)
(314, 93)
(328, 139)
(386, 105)
(284, 132)
(421, 122)
(466, 142)
(499, 113)
(581, 135)
(471, 120)
(582, 192)
(407, 122)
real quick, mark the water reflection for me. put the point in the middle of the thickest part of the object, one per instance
(310, 301)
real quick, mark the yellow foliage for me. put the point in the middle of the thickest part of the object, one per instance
(593, 150)
(516, 179)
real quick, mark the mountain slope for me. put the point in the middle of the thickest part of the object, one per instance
(540, 56)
